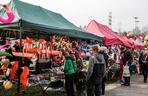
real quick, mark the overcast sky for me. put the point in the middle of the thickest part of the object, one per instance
(81, 12)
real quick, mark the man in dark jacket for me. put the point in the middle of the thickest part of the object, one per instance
(103, 51)
(145, 67)
(96, 72)
(127, 57)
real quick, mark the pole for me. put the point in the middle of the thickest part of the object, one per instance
(20, 60)
(110, 20)
(136, 26)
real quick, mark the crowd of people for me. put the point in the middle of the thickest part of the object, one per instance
(131, 62)
(90, 79)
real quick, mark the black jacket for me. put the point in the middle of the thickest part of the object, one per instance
(145, 64)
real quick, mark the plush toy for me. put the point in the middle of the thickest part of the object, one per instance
(10, 15)
(7, 85)
(13, 72)
(24, 77)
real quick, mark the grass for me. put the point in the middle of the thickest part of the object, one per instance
(112, 80)
(32, 91)
(37, 91)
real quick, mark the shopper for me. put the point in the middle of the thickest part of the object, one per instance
(126, 75)
(69, 71)
(103, 51)
(96, 72)
(145, 66)
(81, 81)
(121, 65)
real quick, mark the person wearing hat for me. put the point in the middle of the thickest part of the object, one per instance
(103, 50)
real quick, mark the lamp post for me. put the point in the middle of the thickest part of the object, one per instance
(136, 29)
(110, 20)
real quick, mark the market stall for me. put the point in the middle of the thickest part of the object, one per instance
(29, 19)
(110, 37)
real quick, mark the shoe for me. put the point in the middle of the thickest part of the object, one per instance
(127, 84)
(121, 81)
(123, 84)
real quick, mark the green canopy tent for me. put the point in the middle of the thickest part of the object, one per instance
(28, 17)
(31, 17)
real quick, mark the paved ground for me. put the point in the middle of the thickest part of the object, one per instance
(137, 88)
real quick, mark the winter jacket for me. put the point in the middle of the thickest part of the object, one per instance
(145, 64)
(127, 58)
(96, 69)
(126, 72)
(69, 66)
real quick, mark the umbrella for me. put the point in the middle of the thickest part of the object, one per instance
(5, 54)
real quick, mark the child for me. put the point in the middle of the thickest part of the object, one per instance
(81, 81)
(126, 75)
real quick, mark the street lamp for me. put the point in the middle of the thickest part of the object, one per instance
(110, 20)
(136, 29)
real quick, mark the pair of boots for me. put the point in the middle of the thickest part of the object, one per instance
(126, 81)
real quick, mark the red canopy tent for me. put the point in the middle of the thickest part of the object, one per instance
(129, 41)
(137, 45)
(109, 36)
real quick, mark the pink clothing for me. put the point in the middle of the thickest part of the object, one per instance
(121, 66)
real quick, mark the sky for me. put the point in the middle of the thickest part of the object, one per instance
(81, 12)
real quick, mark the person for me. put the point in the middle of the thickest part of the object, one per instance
(103, 50)
(145, 66)
(69, 72)
(80, 81)
(121, 64)
(126, 75)
(128, 57)
(140, 62)
(17, 47)
(96, 72)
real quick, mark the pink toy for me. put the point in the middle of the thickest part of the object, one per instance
(10, 15)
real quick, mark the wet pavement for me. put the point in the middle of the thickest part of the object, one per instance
(137, 88)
